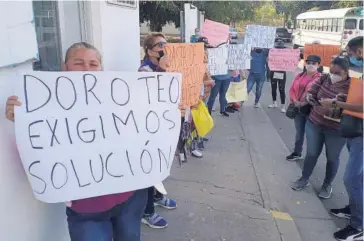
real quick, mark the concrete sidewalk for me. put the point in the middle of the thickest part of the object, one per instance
(240, 190)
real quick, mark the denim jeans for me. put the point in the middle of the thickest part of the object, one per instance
(121, 223)
(300, 124)
(353, 180)
(221, 87)
(258, 79)
(317, 136)
(153, 195)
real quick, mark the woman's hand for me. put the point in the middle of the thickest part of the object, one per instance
(182, 108)
(210, 83)
(9, 110)
(164, 62)
(327, 103)
(297, 103)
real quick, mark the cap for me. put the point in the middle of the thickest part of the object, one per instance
(314, 58)
(279, 44)
(202, 40)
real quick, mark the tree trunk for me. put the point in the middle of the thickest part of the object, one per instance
(155, 26)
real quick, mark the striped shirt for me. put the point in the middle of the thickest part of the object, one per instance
(323, 88)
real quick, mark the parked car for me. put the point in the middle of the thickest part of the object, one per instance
(283, 34)
(233, 33)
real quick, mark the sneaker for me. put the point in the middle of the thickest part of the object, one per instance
(342, 212)
(294, 157)
(154, 221)
(224, 114)
(300, 184)
(196, 153)
(166, 203)
(325, 192)
(205, 139)
(229, 109)
(283, 110)
(274, 105)
(256, 105)
(349, 234)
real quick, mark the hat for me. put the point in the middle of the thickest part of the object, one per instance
(203, 40)
(314, 58)
(279, 44)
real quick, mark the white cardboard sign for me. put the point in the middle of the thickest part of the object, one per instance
(239, 56)
(87, 134)
(259, 36)
(217, 58)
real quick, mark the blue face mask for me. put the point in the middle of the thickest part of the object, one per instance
(356, 62)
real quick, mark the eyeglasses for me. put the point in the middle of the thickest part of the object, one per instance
(159, 44)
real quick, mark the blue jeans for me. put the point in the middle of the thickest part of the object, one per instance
(121, 223)
(300, 124)
(317, 136)
(258, 79)
(221, 87)
(353, 180)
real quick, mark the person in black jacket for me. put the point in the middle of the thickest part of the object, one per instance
(278, 79)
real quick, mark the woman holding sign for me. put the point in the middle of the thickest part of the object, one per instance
(105, 218)
(155, 61)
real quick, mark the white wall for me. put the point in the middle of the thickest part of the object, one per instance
(116, 33)
(191, 21)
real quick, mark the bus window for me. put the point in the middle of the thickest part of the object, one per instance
(329, 25)
(361, 24)
(350, 24)
(340, 25)
(321, 22)
(334, 25)
(325, 25)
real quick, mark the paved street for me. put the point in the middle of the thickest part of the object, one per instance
(230, 193)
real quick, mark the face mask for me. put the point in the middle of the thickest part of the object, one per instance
(311, 68)
(335, 78)
(356, 61)
(161, 54)
(198, 34)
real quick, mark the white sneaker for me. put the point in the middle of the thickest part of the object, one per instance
(197, 153)
(256, 105)
(283, 109)
(274, 105)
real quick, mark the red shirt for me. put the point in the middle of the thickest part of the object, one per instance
(301, 84)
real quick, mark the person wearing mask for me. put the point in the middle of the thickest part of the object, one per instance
(278, 80)
(353, 176)
(257, 72)
(110, 217)
(322, 127)
(196, 36)
(354, 49)
(297, 95)
(222, 83)
(155, 61)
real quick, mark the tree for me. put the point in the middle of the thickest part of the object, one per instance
(159, 13)
(348, 4)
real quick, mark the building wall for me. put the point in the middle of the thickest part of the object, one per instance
(191, 20)
(115, 31)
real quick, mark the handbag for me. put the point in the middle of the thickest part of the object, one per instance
(202, 119)
(292, 110)
(237, 91)
(351, 126)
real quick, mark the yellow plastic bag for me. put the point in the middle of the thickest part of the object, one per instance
(202, 119)
(237, 91)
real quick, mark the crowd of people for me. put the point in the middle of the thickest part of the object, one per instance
(313, 96)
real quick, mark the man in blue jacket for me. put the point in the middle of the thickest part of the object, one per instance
(257, 72)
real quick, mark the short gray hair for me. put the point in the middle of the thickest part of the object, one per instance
(81, 45)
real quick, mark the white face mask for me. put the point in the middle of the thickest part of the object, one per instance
(311, 68)
(335, 78)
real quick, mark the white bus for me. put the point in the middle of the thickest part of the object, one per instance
(336, 27)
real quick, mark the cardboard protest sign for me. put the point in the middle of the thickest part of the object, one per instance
(283, 59)
(355, 95)
(325, 51)
(87, 134)
(217, 60)
(239, 56)
(215, 32)
(188, 59)
(259, 36)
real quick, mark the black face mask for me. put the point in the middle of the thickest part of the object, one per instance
(258, 51)
(161, 54)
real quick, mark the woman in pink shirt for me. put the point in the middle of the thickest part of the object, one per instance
(297, 94)
(114, 217)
